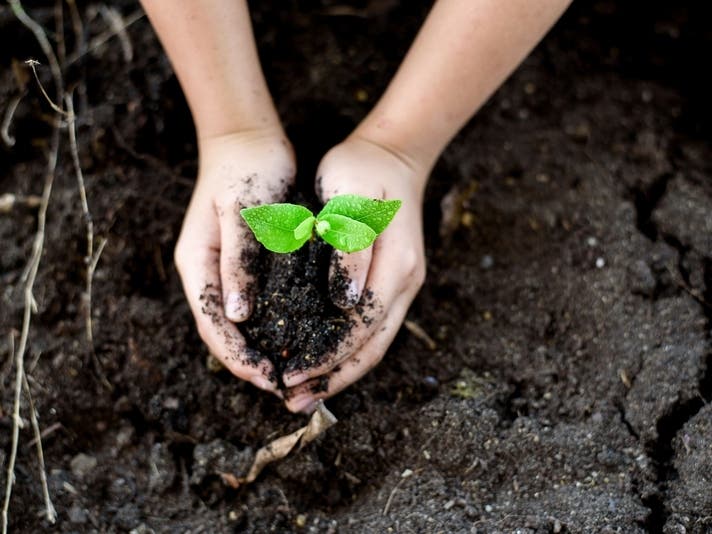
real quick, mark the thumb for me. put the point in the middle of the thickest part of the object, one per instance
(347, 276)
(237, 281)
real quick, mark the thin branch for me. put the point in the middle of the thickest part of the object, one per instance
(78, 28)
(8, 201)
(113, 18)
(16, 425)
(92, 258)
(50, 512)
(79, 49)
(59, 31)
(8, 139)
(32, 63)
(43, 41)
(72, 123)
(694, 293)
(34, 263)
(37, 248)
(51, 429)
(103, 37)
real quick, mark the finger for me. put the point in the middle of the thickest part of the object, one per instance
(302, 398)
(201, 283)
(237, 248)
(347, 276)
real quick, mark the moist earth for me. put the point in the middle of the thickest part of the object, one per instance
(294, 320)
(564, 385)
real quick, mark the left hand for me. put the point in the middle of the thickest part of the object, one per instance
(384, 277)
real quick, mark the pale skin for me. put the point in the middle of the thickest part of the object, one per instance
(463, 52)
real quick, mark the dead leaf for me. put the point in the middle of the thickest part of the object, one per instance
(321, 420)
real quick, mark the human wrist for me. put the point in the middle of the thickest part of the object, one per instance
(249, 146)
(418, 161)
(396, 136)
(245, 133)
(261, 119)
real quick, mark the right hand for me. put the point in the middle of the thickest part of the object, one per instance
(215, 247)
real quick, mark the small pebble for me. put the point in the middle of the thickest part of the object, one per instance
(431, 382)
(162, 470)
(487, 262)
(592, 241)
(213, 364)
(77, 515)
(142, 529)
(600, 263)
(82, 464)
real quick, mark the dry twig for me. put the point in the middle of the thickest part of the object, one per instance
(8, 201)
(51, 429)
(43, 41)
(420, 333)
(34, 262)
(113, 18)
(50, 512)
(92, 257)
(59, 31)
(321, 420)
(8, 139)
(694, 293)
(79, 49)
(102, 38)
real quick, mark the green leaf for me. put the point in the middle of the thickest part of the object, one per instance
(276, 225)
(375, 213)
(305, 229)
(344, 232)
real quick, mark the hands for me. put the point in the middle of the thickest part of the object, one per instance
(385, 277)
(213, 252)
(214, 247)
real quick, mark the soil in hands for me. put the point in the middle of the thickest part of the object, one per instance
(294, 320)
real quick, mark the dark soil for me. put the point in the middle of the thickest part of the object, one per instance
(294, 321)
(568, 293)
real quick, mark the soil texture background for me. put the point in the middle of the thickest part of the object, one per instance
(569, 291)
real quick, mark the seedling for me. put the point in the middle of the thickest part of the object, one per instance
(347, 222)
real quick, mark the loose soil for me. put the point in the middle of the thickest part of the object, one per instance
(568, 294)
(294, 321)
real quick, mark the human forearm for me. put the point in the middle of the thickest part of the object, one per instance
(212, 49)
(464, 51)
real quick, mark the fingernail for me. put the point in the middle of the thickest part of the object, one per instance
(236, 307)
(262, 383)
(353, 293)
(304, 404)
(294, 380)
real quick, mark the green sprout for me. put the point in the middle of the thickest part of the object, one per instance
(347, 222)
